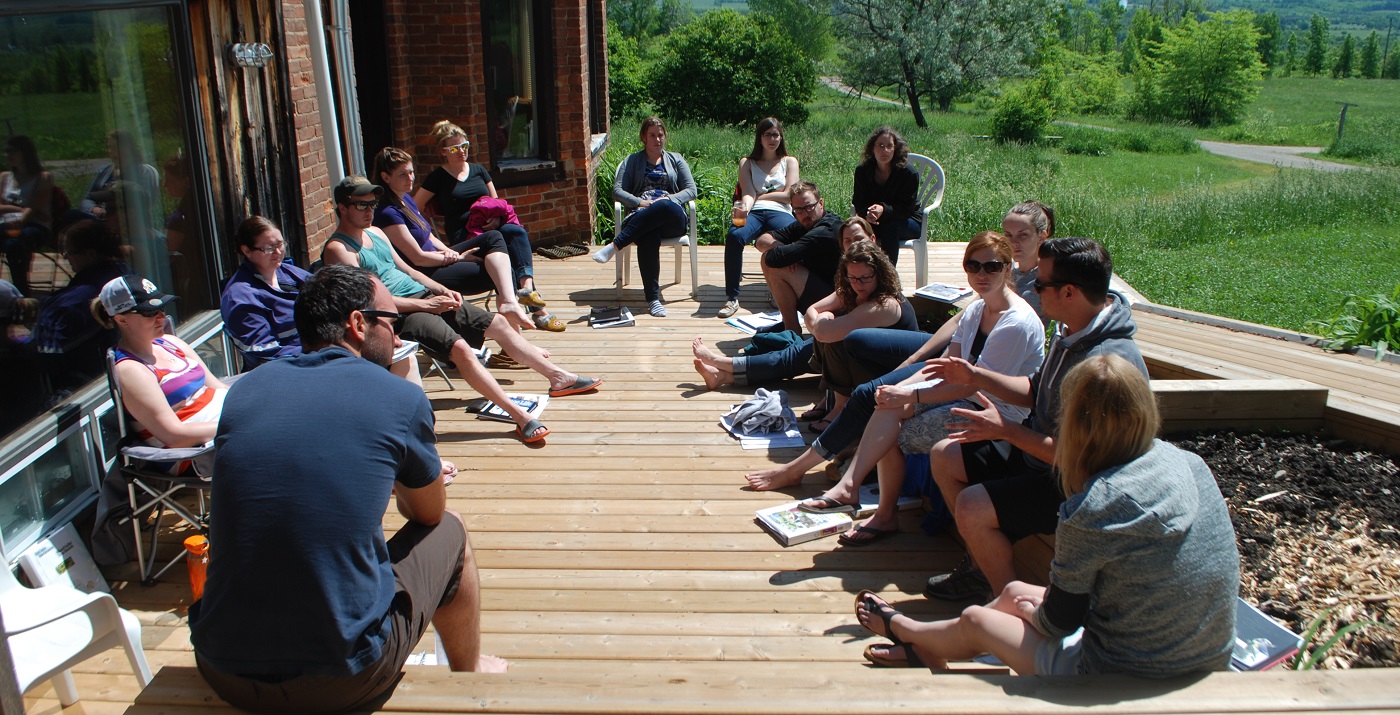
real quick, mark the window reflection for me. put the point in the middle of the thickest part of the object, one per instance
(510, 78)
(95, 182)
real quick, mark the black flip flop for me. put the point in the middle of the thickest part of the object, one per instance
(911, 659)
(886, 613)
(875, 535)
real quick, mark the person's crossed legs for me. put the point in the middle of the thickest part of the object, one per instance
(788, 284)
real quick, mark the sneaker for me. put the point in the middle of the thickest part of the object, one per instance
(730, 308)
(604, 254)
(963, 583)
(656, 309)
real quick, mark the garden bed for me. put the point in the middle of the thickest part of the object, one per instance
(1318, 525)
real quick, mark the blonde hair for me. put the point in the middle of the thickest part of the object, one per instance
(1108, 417)
(444, 130)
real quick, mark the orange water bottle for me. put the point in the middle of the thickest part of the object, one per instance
(197, 559)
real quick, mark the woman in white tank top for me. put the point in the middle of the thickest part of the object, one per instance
(762, 205)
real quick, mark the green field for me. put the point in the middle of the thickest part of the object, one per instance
(1196, 231)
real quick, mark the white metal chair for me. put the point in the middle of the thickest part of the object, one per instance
(152, 489)
(624, 256)
(51, 629)
(931, 184)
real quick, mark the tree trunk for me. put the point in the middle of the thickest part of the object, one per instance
(911, 90)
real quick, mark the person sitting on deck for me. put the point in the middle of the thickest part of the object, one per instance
(1145, 572)
(437, 317)
(307, 608)
(995, 475)
(799, 260)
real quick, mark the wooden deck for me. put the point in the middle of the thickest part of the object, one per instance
(622, 570)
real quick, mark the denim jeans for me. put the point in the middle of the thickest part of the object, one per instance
(646, 227)
(889, 234)
(768, 368)
(758, 223)
(878, 350)
(522, 256)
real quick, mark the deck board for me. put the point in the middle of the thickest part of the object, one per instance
(622, 570)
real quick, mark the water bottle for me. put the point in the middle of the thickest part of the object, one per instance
(197, 559)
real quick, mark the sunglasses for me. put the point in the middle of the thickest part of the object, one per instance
(362, 205)
(462, 148)
(396, 318)
(1046, 285)
(988, 267)
(146, 312)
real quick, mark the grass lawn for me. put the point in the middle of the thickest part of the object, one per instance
(1196, 231)
(1303, 111)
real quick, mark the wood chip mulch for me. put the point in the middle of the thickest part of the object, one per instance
(1318, 526)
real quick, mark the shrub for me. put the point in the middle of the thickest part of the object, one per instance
(1375, 140)
(1370, 320)
(1156, 140)
(1021, 115)
(1202, 72)
(728, 68)
(627, 76)
(1087, 142)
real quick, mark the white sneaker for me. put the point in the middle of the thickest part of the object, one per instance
(604, 254)
(730, 308)
(657, 309)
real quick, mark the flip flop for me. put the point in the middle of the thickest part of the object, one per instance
(818, 412)
(449, 472)
(531, 428)
(819, 426)
(825, 505)
(581, 384)
(875, 535)
(884, 660)
(545, 321)
(879, 607)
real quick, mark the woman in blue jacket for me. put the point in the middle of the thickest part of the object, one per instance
(654, 186)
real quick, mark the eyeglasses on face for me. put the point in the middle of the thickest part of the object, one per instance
(395, 318)
(805, 209)
(362, 205)
(988, 267)
(462, 148)
(1046, 285)
(772, 135)
(860, 279)
(271, 248)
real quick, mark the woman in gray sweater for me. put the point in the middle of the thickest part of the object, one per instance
(653, 185)
(1145, 572)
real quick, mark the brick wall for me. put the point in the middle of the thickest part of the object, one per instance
(319, 219)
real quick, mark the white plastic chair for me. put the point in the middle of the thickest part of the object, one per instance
(624, 256)
(931, 184)
(51, 629)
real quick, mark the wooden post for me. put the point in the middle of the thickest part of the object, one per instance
(1342, 121)
(10, 700)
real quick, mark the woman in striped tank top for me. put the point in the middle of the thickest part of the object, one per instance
(166, 390)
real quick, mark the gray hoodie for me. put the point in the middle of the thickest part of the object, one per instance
(1111, 333)
(1151, 542)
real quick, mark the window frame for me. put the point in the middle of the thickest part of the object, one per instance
(547, 167)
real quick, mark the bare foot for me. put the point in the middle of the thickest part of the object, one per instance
(703, 353)
(775, 478)
(713, 376)
(449, 472)
(491, 664)
(516, 316)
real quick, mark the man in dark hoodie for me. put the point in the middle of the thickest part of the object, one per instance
(996, 476)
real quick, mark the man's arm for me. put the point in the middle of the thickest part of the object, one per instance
(1008, 389)
(424, 505)
(794, 251)
(988, 424)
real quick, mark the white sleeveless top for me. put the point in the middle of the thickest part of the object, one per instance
(775, 180)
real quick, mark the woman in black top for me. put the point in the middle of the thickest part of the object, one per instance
(886, 191)
(453, 187)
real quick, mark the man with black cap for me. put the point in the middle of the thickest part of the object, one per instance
(437, 317)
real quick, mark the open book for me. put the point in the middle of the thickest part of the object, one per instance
(943, 292)
(485, 409)
(610, 318)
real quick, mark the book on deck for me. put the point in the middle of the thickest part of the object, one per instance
(943, 292)
(485, 409)
(870, 501)
(790, 525)
(1260, 641)
(613, 317)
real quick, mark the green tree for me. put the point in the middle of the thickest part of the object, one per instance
(807, 23)
(1371, 56)
(1346, 58)
(672, 14)
(938, 49)
(627, 76)
(1203, 72)
(1391, 68)
(1316, 58)
(1112, 14)
(728, 68)
(1270, 37)
(636, 19)
(1290, 59)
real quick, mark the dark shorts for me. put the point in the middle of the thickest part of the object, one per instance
(428, 564)
(813, 290)
(1024, 493)
(437, 333)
